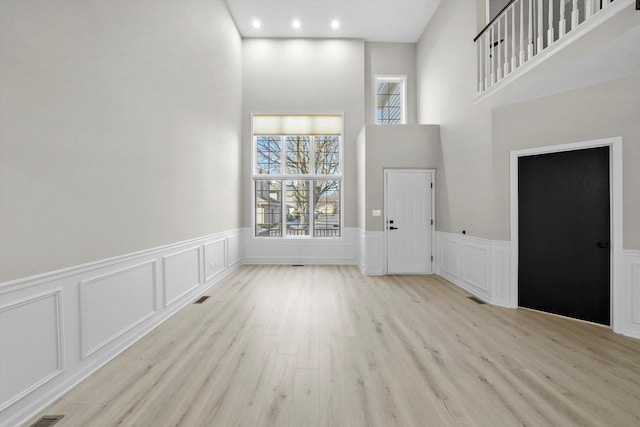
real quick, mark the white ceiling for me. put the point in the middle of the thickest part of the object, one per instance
(371, 20)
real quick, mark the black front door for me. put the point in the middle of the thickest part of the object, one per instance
(564, 233)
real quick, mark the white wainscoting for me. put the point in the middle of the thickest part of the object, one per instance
(234, 248)
(362, 249)
(37, 347)
(333, 251)
(215, 258)
(132, 290)
(480, 266)
(371, 255)
(631, 294)
(181, 272)
(73, 321)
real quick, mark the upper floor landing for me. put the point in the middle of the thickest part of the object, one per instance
(533, 48)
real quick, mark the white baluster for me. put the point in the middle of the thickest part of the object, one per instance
(540, 38)
(514, 59)
(487, 59)
(562, 25)
(588, 9)
(575, 15)
(530, 43)
(550, 35)
(493, 55)
(498, 49)
(522, 51)
(505, 42)
(478, 67)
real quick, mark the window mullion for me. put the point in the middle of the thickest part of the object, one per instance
(340, 156)
(283, 154)
(312, 155)
(283, 209)
(312, 209)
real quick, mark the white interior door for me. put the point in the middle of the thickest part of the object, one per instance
(409, 221)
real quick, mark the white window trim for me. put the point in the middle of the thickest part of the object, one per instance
(290, 177)
(402, 78)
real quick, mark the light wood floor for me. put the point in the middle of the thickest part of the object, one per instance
(325, 345)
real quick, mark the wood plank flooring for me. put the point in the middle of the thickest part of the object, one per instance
(327, 346)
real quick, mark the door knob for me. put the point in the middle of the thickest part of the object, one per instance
(393, 228)
(603, 245)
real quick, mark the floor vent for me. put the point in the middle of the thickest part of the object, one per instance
(201, 300)
(297, 265)
(47, 420)
(476, 300)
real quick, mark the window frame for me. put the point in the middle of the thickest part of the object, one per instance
(403, 96)
(283, 176)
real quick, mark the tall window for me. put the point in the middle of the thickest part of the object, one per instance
(297, 175)
(390, 100)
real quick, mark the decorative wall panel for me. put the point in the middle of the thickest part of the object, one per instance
(114, 303)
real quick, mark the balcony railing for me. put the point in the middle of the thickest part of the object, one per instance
(523, 30)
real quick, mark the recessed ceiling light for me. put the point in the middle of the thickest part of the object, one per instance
(255, 24)
(296, 24)
(335, 24)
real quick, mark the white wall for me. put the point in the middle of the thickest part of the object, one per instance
(446, 62)
(119, 128)
(599, 111)
(119, 151)
(395, 59)
(383, 147)
(394, 147)
(308, 76)
(478, 137)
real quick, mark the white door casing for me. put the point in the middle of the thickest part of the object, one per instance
(409, 221)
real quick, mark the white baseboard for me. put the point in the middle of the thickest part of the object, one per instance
(333, 251)
(480, 266)
(66, 316)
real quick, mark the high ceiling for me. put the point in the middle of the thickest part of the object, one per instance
(371, 20)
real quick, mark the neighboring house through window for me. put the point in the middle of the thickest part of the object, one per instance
(390, 99)
(297, 175)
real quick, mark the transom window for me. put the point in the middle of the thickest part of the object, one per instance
(390, 100)
(297, 175)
